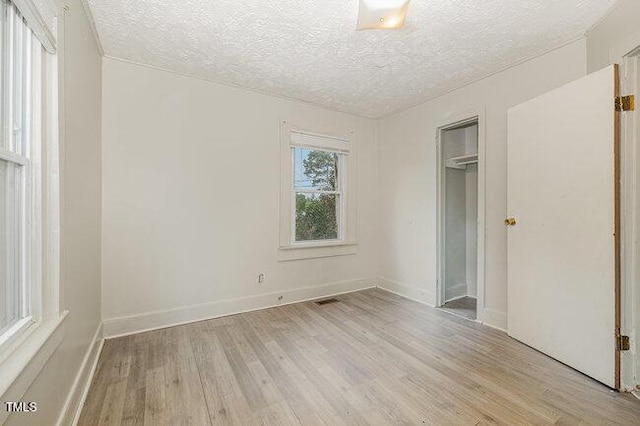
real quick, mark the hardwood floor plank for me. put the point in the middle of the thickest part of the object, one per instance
(154, 413)
(246, 381)
(134, 406)
(319, 381)
(111, 412)
(321, 409)
(225, 400)
(372, 358)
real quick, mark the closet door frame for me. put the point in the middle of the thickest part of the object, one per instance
(452, 122)
(627, 54)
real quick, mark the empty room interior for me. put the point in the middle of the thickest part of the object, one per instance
(338, 212)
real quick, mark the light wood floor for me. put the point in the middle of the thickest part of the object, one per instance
(373, 358)
(465, 306)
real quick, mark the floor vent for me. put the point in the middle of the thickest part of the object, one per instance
(326, 301)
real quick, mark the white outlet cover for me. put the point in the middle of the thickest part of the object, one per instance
(382, 14)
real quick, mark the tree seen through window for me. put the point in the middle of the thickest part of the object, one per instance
(316, 182)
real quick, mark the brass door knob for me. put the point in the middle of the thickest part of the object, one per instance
(510, 221)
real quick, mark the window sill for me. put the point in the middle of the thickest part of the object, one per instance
(23, 361)
(316, 250)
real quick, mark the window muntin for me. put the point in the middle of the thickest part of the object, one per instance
(20, 82)
(317, 195)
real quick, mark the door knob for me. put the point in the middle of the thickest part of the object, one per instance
(510, 221)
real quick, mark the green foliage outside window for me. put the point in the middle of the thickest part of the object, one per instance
(316, 213)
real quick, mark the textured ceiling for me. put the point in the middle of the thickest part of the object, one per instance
(309, 50)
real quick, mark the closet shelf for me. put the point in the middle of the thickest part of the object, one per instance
(462, 161)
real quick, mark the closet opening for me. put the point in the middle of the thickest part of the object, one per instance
(458, 218)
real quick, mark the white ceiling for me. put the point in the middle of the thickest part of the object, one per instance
(309, 50)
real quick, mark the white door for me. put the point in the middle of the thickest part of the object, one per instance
(562, 249)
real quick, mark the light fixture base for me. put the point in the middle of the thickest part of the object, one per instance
(382, 14)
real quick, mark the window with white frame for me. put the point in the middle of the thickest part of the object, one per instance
(317, 215)
(25, 128)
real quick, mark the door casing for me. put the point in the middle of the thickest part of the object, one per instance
(476, 116)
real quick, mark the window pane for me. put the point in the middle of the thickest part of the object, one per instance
(17, 85)
(16, 82)
(316, 217)
(316, 170)
(10, 286)
(4, 98)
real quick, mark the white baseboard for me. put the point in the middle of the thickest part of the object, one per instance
(453, 292)
(495, 319)
(78, 393)
(462, 297)
(490, 317)
(417, 294)
(27, 360)
(122, 326)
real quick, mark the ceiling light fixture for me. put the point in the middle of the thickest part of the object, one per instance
(382, 14)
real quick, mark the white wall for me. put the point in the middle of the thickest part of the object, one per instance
(407, 167)
(80, 73)
(191, 177)
(455, 230)
(471, 205)
(616, 30)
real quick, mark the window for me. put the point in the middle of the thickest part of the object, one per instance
(22, 97)
(12, 289)
(317, 216)
(317, 190)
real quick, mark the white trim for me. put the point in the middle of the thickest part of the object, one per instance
(122, 326)
(12, 157)
(318, 244)
(630, 216)
(301, 138)
(50, 186)
(41, 17)
(72, 407)
(316, 250)
(316, 191)
(18, 371)
(455, 314)
(13, 333)
(477, 115)
(417, 293)
(460, 297)
(459, 289)
(495, 319)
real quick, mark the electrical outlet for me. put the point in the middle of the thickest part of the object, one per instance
(261, 278)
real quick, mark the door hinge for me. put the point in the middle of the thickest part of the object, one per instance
(625, 103)
(623, 343)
